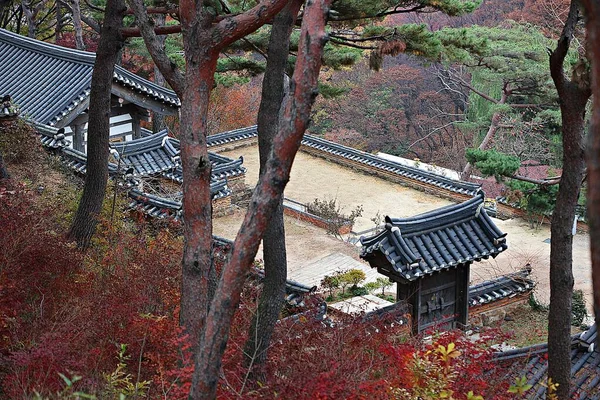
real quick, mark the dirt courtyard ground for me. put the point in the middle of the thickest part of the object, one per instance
(313, 177)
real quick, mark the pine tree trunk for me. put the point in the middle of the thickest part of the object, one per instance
(76, 10)
(90, 205)
(593, 155)
(198, 276)
(274, 252)
(158, 120)
(489, 136)
(573, 98)
(27, 9)
(266, 196)
(59, 21)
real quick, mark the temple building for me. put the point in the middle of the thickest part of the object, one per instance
(51, 85)
(429, 257)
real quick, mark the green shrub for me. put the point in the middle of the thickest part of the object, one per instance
(578, 310)
(358, 291)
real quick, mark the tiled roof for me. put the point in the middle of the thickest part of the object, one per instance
(152, 154)
(160, 207)
(222, 167)
(294, 291)
(148, 155)
(77, 161)
(362, 157)
(437, 240)
(231, 136)
(51, 137)
(48, 81)
(390, 166)
(532, 362)
(505, 286)
(155, 206)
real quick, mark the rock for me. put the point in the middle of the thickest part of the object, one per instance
(493, 316)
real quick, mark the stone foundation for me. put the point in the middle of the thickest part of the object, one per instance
(495, 312)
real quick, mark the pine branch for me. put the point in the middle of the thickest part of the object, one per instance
(148, 31)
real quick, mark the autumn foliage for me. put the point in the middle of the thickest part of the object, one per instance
(68, 312)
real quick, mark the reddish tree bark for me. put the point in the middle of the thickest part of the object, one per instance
(203, 39)
(90, 205)
(593, 156)
(573, 96)
(265, 198)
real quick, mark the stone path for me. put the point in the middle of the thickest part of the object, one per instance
(312, 273)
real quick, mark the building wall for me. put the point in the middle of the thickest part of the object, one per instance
(121, 129)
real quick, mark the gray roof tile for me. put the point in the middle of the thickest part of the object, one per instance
(436, 240)
(47, 81)
(532, 362)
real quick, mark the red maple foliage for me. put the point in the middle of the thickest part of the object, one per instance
(67, 312)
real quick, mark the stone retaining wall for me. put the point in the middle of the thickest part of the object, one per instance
(390, 176)
(235, 144)
(314, 219)
(490, 313)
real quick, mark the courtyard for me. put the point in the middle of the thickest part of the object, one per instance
(312, 253)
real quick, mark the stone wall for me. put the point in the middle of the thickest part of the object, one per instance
(314, 219)
(390, 176)
(497, 311)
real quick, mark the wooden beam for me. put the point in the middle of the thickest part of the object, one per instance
(135, 123)
(462, 295)
(74, 113)
(143, 101)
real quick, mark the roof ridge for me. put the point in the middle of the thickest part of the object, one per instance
(449, 215)
(48, 49)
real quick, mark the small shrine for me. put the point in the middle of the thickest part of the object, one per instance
(429, 257)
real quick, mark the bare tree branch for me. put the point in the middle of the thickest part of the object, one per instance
(168, 68)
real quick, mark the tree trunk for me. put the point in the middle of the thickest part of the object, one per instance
(86, 217)
(266, 197)
(76, 11)
(27, 8)
(466, 174)
(593, 155)
(198, 277)
(59, 20)
(573, 98)
(158, 120)
(274, 253)
(3, 171)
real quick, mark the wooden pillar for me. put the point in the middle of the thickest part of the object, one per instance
(411, 293)
(416, 317)
(135, 124)
(462, 295)
(78, 137)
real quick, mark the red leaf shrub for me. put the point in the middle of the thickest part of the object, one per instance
(67, 312)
